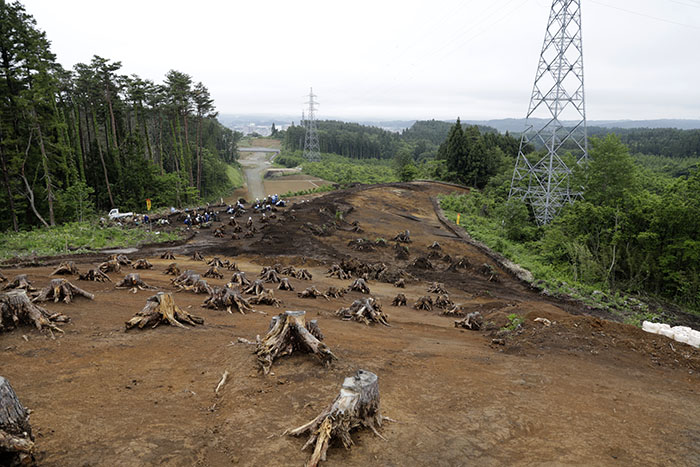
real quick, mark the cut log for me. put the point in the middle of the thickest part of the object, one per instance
(473, 321)
(285, 285)
(359, 285)
(311, 292)
(288, 333)
(111, 265)
(267, 297)
(16, 439)
(401, 283)
(366, 310)
(424, 303)
(403, 237)
(197, 256)
(61, 289)
(94, 275)
(133, 281)
(20, 282)
(142, 264)
(172, 270)
(437, 287)
(66, 268)
(335, 292)
(214, 272)
(167, 255)
(269, 275)
(338, 272)
(256, 288)
(16, 309)
(121, 259)
(443, 301)
(160, 309)
(224, 298)
(357, 406)
(240, 279)
(303, 274)
(399, 300)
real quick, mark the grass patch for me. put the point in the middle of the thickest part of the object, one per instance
(76, 237)
(235, 175)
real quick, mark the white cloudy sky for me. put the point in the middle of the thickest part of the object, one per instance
(385, 59)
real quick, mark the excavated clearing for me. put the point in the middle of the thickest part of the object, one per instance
(583, 390)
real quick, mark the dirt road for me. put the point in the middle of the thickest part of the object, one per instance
(582, 390)
(254, 164)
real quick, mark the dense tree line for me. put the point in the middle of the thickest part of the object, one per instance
(667, 142)
(71, 140)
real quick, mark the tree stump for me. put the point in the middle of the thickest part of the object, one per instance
(2, 278)
(61, 289)
(224, 298)
(338, 272)
(459, 263)
(435, 246)
(215, 261)
(94, 275)
(167, 255)
(422, 263)
(16, 439)
(356, 406)
(434, 254)
(489, 272)
(288, 333)
(65, 268)
(311, 292)
(285, 285)
(232, 266)
(401, 251)
(403, 237)
(289, 271)
(142, 264)
(424, 303)
(20, 282)
(399, 300)
(133, 281)
(240, 279)
(16, 309)
(269, 275)
(111, 265)
(172, 270)
(366, 310)
(303, 274)
(214, 272)
(219, 232)
(473, 321)
(249, 234)
(121, 259)
(196, 285)
(159, 309)
(443, 301)
(197, 256)
(401, 283)
(335, 292)
(455, 310)
(267, 297)
(188, 277)
(359, 285)
(256, 288)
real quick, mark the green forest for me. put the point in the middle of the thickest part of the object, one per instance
(76, 141)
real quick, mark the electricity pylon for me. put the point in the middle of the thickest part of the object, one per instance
(312, 151)
(556, 118)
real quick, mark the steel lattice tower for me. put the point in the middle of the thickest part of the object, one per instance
(556, 118)
(312, 151)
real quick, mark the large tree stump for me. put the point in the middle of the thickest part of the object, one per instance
(213, 272)
(285, 285)
(359, 285)
(311, 292)
(225, 298)
(424, 303)
(256, 288)
(142, 264)
(172, 270)
(443, 301)
(288, 333)
(16, 439)
(121, 259)
(65, 268)
(356, 406)
(473, 321)
(167, 255)
(197, 256)
(366, 310)
(303, 274)
(269, 275)
(111, 265)
(335, 292)
(16, 309)
(215, 261)
(160, 309)
(399, 300)
(61, 289)
(20, 282)
(338, 272)
(267, 297)
(239, 278)
(133, 281)
(403, 237)
(290, 271)
(94, 275)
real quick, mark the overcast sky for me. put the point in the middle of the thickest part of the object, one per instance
(385, 59)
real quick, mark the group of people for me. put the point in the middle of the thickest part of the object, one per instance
(267, 203)
(195, 218)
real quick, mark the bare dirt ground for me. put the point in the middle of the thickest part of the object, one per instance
(584, 390)
(292, 183)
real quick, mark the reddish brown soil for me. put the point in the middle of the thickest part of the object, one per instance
(581, 391)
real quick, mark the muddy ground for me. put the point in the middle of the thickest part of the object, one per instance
(583, 390)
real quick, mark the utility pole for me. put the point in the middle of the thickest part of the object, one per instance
(312, 151)
(556, 118)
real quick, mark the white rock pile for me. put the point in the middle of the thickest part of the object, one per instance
(678, 333)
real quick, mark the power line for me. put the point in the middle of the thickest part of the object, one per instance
(646, 15)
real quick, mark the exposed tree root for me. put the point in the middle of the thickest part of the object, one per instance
(16, 309)
(359, 285)
(356, 406)
(142, 264)
(473, 321)
(172, 270)
(366, 310)
(267, 297)
(224, 298)
(437, 287)
(66, 268)
(399, 300)
(20, 282)
(311, 292)
(424, 303)
(288, 333)
(214, 272)
(160, 309)
(94, 275)
(16, 439)
(133, 281)
(289, 271)
(61, 289)
(285, 285)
